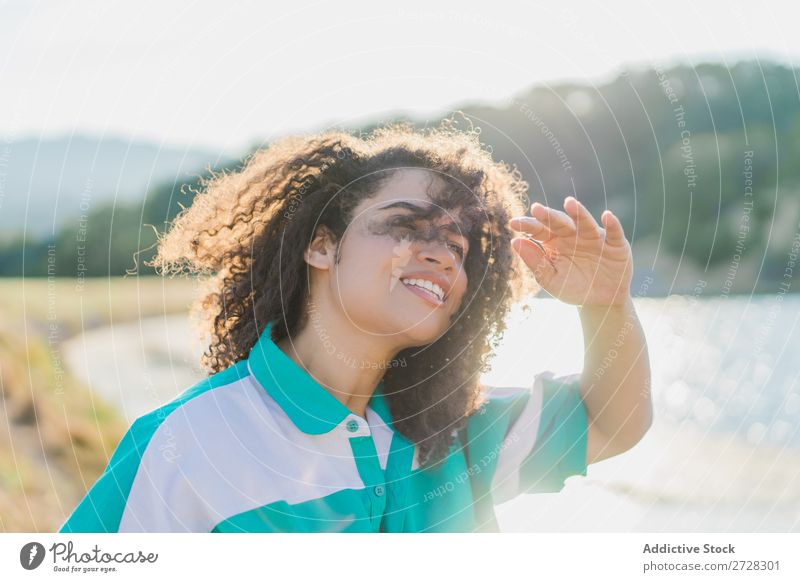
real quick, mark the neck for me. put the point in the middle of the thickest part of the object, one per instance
(341, 358)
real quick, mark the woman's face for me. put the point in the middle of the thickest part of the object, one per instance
(400, 271)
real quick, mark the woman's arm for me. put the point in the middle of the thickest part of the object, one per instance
(615, 383)
(581, 263)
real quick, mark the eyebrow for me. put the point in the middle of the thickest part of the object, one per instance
(401, 204)
(456, 228)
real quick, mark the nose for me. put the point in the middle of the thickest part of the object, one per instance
(438, 253)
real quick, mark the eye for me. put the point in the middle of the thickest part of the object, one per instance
(402, 223)
(458, 248)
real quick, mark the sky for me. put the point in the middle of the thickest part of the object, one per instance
(227, 75)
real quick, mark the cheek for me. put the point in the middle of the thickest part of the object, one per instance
(460, 289)
(364, 273)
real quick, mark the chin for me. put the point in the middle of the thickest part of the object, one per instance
(423, 330)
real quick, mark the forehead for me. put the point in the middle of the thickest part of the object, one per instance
(411, 184)
(414, 185)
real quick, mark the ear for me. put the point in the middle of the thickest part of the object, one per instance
(321, 252)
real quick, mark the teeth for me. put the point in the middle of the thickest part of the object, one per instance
(425, 284)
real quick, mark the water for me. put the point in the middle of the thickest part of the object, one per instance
(723, 453)
(727, 365)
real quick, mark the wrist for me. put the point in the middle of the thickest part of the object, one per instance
(623, 304)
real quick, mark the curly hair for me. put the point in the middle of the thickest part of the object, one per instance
(245, 229)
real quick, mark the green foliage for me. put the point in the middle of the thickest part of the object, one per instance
(109, 240)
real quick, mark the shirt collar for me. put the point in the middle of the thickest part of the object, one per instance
(307, 403)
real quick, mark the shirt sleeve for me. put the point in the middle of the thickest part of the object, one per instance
(529, 440)
(101, 509)
(142, 489)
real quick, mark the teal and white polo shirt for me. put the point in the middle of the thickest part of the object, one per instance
(262, 447)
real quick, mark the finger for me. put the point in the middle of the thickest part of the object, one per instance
(585, 223)
(614, 232)
(535, 257)
(531, 226)
(558, 222)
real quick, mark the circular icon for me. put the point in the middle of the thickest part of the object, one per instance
(31, 555)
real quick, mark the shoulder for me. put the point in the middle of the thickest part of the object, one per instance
(501, 405)
(546, 391)
(143, 481)
(534, 437)
(187, 449)
(197, 407)
(512, 420)
(222, 385)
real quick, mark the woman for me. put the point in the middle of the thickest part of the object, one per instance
(358, 286)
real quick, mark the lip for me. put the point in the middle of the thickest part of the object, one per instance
(430, 298)
(440, 280)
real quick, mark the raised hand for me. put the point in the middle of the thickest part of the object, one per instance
(572, 257)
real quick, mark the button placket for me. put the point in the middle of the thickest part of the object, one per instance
(369, 469)
(398, 474)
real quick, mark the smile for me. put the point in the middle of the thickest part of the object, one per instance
(425, 289)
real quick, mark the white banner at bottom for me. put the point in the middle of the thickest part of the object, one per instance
(495, 557)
